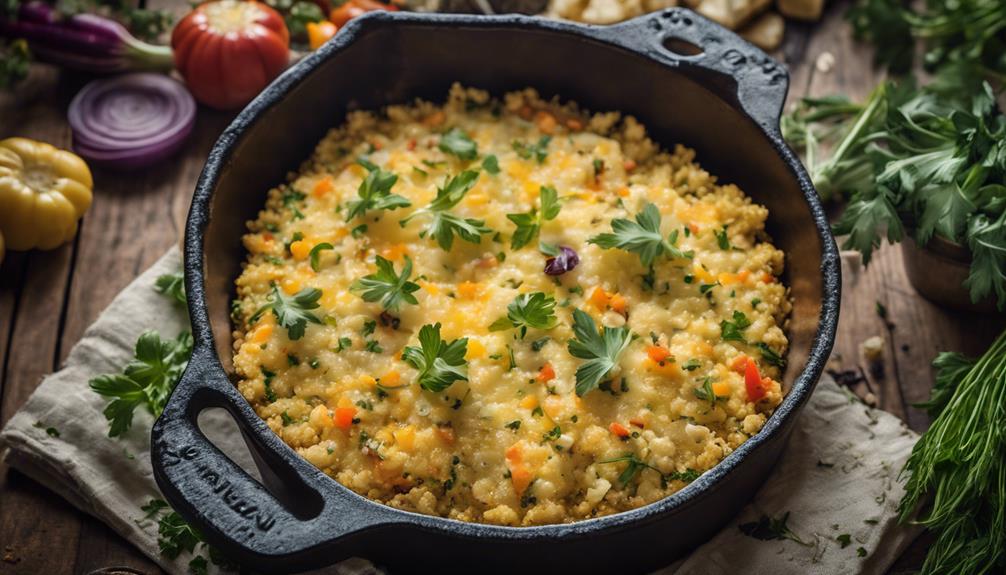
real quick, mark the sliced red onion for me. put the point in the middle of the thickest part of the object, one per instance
(131, 121)
(562, 263)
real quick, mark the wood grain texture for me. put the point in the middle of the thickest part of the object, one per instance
(47, 300)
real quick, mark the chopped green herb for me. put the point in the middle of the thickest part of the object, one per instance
(443, 224)
(641, 237)
(315, 255)
(491, 164)
(538, 150)
(439, 363)
(732, 330)
(386, 286)
(375, 192)
(344, 343)
(457, 142)
(721, 238)
(844, 540)
(292, 312)
(528, 310)
(514, 425)
(769, 528)
(600, 349)
(770, 356)
(537, 344)
(529, 224)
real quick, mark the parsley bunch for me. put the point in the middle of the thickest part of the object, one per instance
(955, 474)
(146, 381)
(174, 536)
(440, 363)
(386, 286)
(929, 160)
(173, 287)
(529, 224)
(375, 192)
(601, 349)
(535, 310)
(963, 32)
(457, 142)
(443, 224)
(641, 237)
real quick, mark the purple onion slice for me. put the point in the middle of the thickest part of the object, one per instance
(565, 261)
(131, 121)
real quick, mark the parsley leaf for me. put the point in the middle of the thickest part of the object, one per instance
(535, 310)
(770, 356)
(439, 363)
(732, 330)
(768, 528)
(443, 224)
(172, 286)
(600, 349)
(147, 380)
(529, 224)
(386, 286)
(315, 255)
(292, 312)
(491, 164)
(706, 393)
(457, 142)
(641, 237)
(375, 192)
(538, 150)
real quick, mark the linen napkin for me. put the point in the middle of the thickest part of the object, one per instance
(837, 480)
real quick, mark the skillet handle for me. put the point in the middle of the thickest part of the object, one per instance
(300, 529)
(761, 81)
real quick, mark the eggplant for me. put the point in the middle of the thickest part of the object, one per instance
(85, 42)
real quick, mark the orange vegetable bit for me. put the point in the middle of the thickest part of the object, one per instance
(618, 304)
(521, 478)
(638, 422)
(545, 122)
(740, 364)
(514, 455)
(574, 124)
(300, 249)
(721, 389)
(619, 430)
(629, 165)
(658, 354)
(319, 32)
(446, 434)
(323, 187)
(391, 378)
(599, 298)
(468, 290)
(546, 373)
(344, 417)
(753, 382)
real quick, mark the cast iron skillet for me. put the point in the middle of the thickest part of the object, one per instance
(686, 78)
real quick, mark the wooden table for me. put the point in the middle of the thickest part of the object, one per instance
(47, 299)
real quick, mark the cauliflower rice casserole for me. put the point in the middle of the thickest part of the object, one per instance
(509, 311)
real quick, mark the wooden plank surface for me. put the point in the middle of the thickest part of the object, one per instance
(48, 299)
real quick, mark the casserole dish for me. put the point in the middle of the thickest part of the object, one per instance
(689, 80)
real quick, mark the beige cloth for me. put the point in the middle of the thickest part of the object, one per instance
(838, 475)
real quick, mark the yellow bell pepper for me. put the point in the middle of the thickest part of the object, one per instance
(44, 191)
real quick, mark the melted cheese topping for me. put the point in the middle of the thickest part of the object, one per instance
(514, 444)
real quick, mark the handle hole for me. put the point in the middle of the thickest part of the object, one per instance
(682, 47)
(221, 429)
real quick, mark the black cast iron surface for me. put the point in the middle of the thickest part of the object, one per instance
(727, 96)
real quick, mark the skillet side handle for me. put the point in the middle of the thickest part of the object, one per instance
(762, 82)
(235, 512)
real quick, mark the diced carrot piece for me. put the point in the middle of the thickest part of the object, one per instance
(446, 434)
(768, 278)
(395, 251)
(300, 249)
(546, 373)
(514, 454)
(740, 364)
(545, 122)
(529, 402)
(291, 286)
(743, 275)
(323, 187)
(475, 349)
(521, 478)
(618, 429)
(619, 304)
(666, 368)
(726, 278)
(468, 290)
(721, 389)
(623, 191)
(657, 353)
(344, 417)
(487, 262)
(638, 422)
(694, 229)
(753, 382)
(405, 437)
(574, 124)
(391, 378)
(599, 298)
(319, 32)
(262, 333)
(552, 406)
(629, 165)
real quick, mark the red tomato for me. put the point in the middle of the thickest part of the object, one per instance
(229, 50)
(353, 8)
(753, 382)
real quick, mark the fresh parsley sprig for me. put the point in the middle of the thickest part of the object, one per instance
(768, 528)
(292, 312)
(537, 150)
(386, 286)
(440, 363)
(733, 329)
(529, 223)
(375, 192)
(528, 310)
(642, 237)
(442, 224)
(458, 143)
(635, 465)
(601, 349)
(146, 381)
(172, 286)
